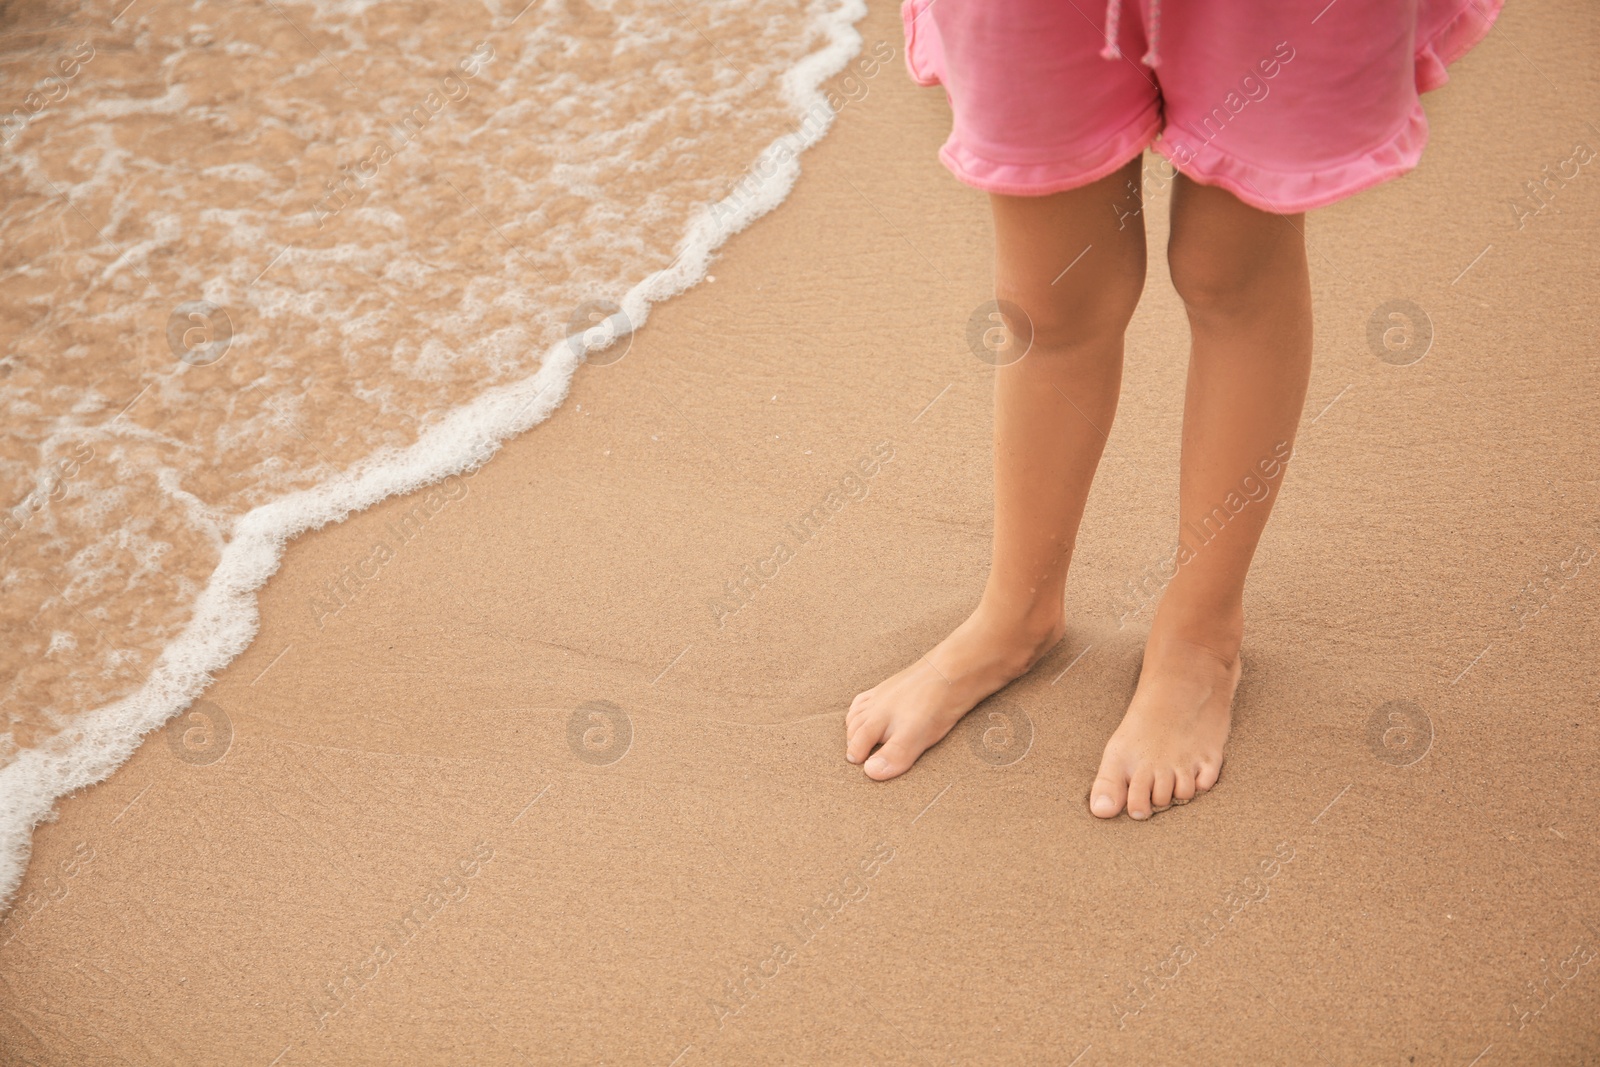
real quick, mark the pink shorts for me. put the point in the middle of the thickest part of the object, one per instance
(1287, 104)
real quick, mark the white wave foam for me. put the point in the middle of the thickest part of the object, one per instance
(225, 616)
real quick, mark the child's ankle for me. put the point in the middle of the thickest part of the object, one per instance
(1219, 629)
(1032, 622)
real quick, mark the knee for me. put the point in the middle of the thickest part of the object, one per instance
(1221, 280)
(1091, 303)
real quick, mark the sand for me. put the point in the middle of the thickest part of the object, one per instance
(532, 797)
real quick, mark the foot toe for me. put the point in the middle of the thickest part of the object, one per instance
(853, 720)
(1139, 790)
(861, 737)
(1209, 773)
(1161, 789)
(1108, 795)
(1183, 788)
(893, 759)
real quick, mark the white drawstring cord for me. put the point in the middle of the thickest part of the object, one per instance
(1152, 55)
(1113, 19)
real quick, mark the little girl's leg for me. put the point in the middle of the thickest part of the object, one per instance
(1243, 278)
(1053, 409)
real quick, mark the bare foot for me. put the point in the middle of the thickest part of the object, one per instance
(1169, 746)
(912, 711)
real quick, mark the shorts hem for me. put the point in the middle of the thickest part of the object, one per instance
(919, 50)
(1470, 25)
(1042, 179)
(1290, 193)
